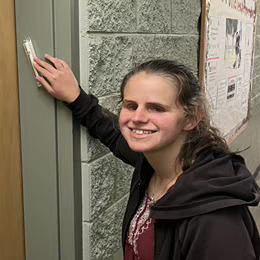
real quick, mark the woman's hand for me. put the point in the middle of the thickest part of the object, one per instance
(62, 83)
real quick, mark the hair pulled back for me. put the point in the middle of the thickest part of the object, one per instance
(204, 137)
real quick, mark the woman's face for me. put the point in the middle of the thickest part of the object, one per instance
(150, 119)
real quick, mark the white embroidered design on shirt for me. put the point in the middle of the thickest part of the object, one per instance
(140, 222)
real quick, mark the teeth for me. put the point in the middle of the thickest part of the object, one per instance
(141, 132)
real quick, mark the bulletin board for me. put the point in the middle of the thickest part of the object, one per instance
(226, 61)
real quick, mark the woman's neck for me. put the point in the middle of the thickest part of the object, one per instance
(167, 170)
(165, 163)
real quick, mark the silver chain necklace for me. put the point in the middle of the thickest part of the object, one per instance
(153, 198)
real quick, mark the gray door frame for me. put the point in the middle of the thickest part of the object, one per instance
(50, 139)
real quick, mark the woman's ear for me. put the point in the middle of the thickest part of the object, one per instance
(192, 122)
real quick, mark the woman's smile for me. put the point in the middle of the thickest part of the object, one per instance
(141, 134)
(142, 131)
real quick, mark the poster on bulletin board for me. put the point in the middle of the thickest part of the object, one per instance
(226, 63)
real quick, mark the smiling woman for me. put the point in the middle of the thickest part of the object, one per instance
(189, 194)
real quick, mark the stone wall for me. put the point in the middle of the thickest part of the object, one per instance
(115, 35)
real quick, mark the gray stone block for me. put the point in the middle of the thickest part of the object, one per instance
(256, 86)
(256, 67)
(102, 188)
(110, 58)
(181, 48)
(112, 103)
(120, 207)
(118, 255)
(154, 16)
(110, 180)
(123, 59)
(185, 16)
(101, 65)
(123, 179)
(91, 148)
(143, 48)
(105, 235)
(111, 15)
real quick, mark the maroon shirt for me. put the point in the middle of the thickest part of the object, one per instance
(140, 237)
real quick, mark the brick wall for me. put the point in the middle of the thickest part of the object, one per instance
(114, 35)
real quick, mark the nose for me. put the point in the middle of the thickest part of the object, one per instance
(140, 115)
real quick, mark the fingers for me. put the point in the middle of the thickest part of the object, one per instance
(57, 63)
(59, 81)
(43, 71)
(45, 84)
(45, 65)
(47, 70)
(64, 64)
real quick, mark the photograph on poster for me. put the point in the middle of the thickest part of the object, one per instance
(233, 43)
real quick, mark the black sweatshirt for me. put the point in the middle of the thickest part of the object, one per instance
(205, 216)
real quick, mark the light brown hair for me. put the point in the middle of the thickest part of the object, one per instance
(204, 138)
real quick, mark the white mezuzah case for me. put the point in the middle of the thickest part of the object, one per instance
(30, 52)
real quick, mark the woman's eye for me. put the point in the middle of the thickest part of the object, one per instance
(130, 106)
(157, 109)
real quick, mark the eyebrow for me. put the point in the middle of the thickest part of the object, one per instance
(129, 101)
(148, 103)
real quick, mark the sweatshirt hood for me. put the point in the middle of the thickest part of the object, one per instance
(214, 183)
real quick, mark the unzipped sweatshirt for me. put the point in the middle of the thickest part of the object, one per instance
(205, 216)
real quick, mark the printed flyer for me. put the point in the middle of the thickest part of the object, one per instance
(229, 48)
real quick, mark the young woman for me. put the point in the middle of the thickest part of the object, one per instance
(189, 194)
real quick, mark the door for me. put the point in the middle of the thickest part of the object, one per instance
(51, 190)
(11, 205)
